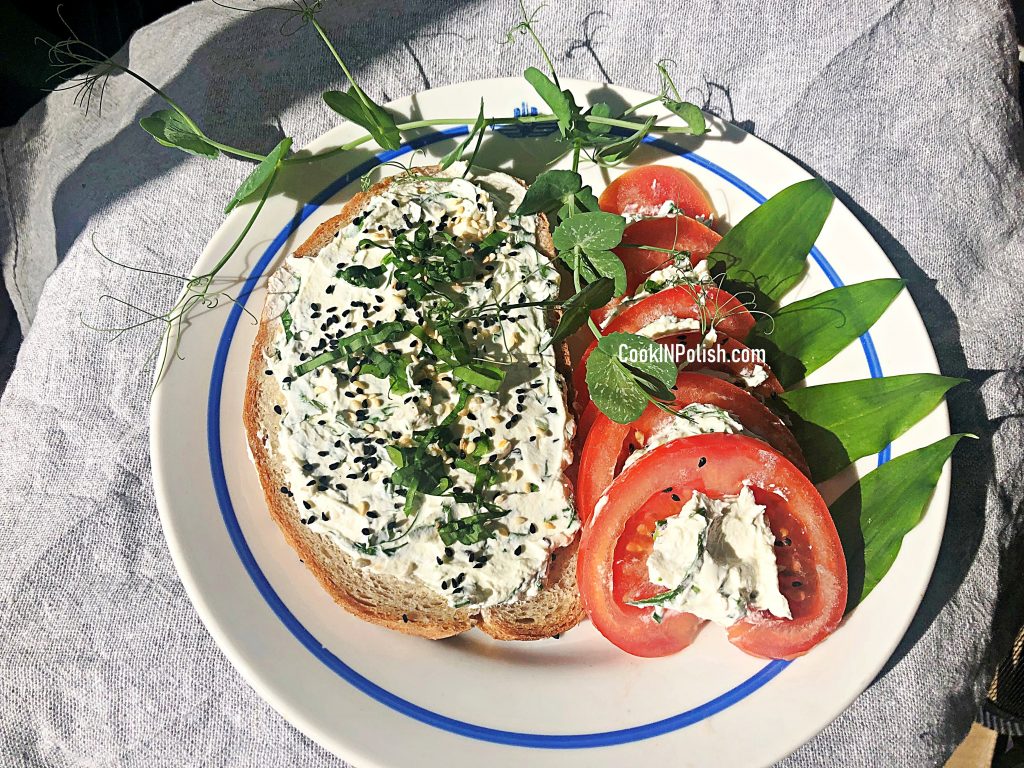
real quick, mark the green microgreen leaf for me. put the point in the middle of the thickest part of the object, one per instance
(481, 374)
(591, 232)
(286, 323)
(577, 309)
(560, 102)
(691, 114)
(767, 249)
(803, 336)
(260, 175)
(550, 191)
(365, 277)
(836, 424)
(613, 153)
(364, 112)
(469, 530)
(624, 372)
(475, 132)
(874, 515)
(171, 130)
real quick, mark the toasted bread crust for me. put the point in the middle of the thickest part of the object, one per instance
(378, 598)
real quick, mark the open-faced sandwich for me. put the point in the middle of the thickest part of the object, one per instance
(407, 410)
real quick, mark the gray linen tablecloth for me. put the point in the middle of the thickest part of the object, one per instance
(907, 107)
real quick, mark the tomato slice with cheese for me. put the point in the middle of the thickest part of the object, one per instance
(733, 360)
(609, 444)
(726, 358)
(616, 542)
(674, 233)
(642, 191)
(710, 306)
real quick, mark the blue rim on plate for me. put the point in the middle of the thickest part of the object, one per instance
(304, 636)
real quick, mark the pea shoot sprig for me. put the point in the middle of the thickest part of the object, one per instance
(584, 235)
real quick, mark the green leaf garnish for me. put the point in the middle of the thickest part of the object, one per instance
(577, 309)
(692, 115)
(475, 132)
(614, 152)
(561, 102)
(620, 383)
(591, 232)
(365, 277)
(286, 323)
(469, 530)
(874, 515)
(836, 424)
(767, 249)
(803, 336)
(260, 175)
(171, 130)
(549, 192)
(363, 111)
(481, 374)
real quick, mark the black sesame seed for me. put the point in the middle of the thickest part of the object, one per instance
(278, 410)
(518, 550)
(701, 461)
(306, 504)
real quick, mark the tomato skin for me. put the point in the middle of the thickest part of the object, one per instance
(643, 190)
(679, 233)
(812, 568)
(681, 302)
(607, 444)
(733, 350)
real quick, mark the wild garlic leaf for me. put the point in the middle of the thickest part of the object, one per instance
(591, 232)
(767, 249)
(561, 103)
(478, 127)
(170, 130)
(691, 114)
(364, 112)
(260, 174)
(549, 191)
(577, 309)
(874, 515)
(803, 336)
(836, 424)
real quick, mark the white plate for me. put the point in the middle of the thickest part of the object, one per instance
(380, 698)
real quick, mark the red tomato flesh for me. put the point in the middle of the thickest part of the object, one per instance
(645, 189)
(609, 444)
(612, 555)
(676, 233)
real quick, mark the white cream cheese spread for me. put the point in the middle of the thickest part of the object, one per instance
(717, 561)
(391, 418)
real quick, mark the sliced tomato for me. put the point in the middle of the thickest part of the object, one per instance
(675, 233)
(612, 555)
(733, 366)
(609, 444)
(645, 189)
(679, 233)
(736, 364)
(710, 305)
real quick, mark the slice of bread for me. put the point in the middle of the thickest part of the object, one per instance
(379, 598)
